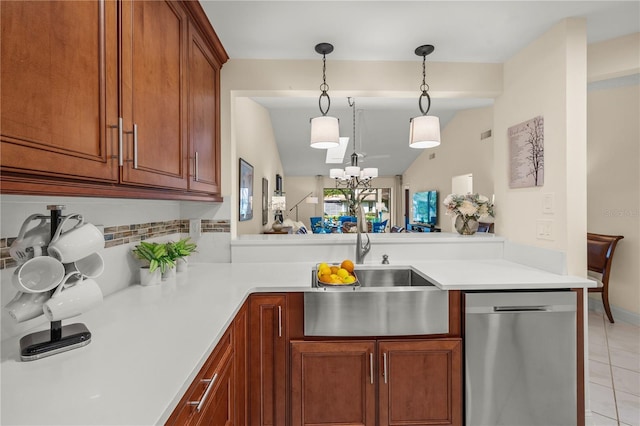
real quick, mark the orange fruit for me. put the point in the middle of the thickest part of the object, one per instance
(325, 278)
(334, 269)
(348, 265)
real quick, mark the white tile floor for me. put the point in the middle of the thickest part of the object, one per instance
(614, 371)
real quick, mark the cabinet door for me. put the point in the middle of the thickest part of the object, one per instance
(268, 346)
(59, 89)
(210, 396)
(333, 383)
(420, 382)
(153, 101)
(219, 408)
(241, 364)
(204, 117)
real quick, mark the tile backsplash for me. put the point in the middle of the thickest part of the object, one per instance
(123, 234)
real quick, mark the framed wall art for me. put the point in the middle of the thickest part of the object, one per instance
(246, 191)
(526, 153)
(265, 201)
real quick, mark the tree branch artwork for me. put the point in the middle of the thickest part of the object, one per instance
(526, 144)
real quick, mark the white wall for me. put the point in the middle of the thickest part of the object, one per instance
(256, 144)
(461, 152)
(613, 177)
(547, 78)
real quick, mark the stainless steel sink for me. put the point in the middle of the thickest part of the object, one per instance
(387, 277)
(390, 301)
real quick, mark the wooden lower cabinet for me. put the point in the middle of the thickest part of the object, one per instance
(333, 383)
(418, 382)
(268, 359)
(421, 382)
(210, 400)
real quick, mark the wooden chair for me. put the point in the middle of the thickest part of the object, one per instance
(600, 249)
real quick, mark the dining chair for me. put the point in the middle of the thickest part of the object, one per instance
(600, 249)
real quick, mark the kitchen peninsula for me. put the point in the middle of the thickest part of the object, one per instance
(149, 343)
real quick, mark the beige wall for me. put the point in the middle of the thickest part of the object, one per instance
(613, 58)
(547, 78)
(256, 144)
(461, 152)
(613, 177)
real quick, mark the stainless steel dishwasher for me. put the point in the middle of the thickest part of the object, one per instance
(520, 358)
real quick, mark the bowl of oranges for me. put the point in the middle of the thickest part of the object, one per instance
(334, 274)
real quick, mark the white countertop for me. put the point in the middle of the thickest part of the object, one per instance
(148, 343)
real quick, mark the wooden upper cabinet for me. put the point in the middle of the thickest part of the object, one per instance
(59, 88)
(204, 118)
(97, 93)
(153, 93)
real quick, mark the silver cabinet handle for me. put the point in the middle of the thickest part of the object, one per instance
(195, 167)
(200, 404)
(135, 146)
(371, 366)
(384, 366)
(120, 137)
(279, 321)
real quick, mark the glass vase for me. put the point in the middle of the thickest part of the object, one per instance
(466, 225)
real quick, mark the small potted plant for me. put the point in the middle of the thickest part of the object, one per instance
(157, 257)
(179, 251)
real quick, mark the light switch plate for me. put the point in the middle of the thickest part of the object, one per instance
(547, 203)
(195, 229)
(544, 230)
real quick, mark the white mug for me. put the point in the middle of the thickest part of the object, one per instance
(38, 275)
(72, 298)
(89, 267)
(26, 306)
(29, 244)
(76, 243)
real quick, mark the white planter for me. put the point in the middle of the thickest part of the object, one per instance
(181, 264)
(149, 278)
(169, 274)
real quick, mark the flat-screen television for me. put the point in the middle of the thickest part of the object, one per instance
(425, 207)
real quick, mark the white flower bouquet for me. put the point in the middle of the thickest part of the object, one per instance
(470, 205)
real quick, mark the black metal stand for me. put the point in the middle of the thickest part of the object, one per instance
(58, 338)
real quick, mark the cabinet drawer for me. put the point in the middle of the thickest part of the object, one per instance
(215, 374)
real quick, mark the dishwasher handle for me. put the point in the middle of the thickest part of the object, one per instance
(543, 308)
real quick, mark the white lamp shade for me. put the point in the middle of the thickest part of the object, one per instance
(352, 171)
(336, 173)
(424, 132)
(325, 132)
(278, 202)
(371, 172)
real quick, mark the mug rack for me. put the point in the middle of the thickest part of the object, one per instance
(58, 338)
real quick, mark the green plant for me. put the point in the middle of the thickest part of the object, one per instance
(155, 254)
(180, 249)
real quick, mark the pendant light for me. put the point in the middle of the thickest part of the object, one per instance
(325, 130)
(424, 130)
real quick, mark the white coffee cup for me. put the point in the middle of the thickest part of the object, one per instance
(77, 242)
(89, 267)
(26, 306)
(72, 298)
(29, 244)
(38, 275)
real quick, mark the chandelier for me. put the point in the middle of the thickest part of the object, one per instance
(352, 177)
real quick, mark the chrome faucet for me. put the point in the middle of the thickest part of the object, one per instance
(361, 250)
